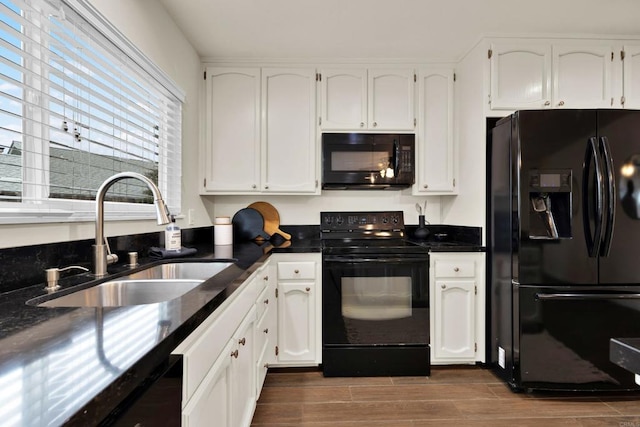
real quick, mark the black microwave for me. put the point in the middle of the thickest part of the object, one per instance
(367, 161)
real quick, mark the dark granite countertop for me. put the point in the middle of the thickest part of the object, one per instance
(625, 352)
(73, 366)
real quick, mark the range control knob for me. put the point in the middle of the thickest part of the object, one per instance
(339, 220)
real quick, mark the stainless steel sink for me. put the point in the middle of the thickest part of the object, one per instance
(153, 285)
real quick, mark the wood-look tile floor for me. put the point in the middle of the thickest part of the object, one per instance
(451, 396)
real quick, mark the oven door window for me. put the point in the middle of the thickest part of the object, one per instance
(375, 301)
(376, 298)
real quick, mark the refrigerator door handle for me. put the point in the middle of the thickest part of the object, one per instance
(610, 178)
(593, 241)
(579, 296)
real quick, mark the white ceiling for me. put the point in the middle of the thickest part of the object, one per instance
(409, 29)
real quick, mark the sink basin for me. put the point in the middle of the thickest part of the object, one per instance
(118, 293)
(152, 285)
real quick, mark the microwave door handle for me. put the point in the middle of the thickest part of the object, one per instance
(396, 157)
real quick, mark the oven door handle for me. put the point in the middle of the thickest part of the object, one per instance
(408, 259)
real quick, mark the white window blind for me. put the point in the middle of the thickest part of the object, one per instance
(76, 106)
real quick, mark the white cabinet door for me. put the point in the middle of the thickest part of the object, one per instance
(391, 99)
(289, 131)
(435, 150)
(212, 400)
(343, 98)
(520, 75)
(454, 320)
(243, 387)
(632, 76)
(456, 286)
(296, 322)
(582, 76)
(232, 142)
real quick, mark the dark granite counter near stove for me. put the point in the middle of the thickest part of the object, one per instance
(73, 366)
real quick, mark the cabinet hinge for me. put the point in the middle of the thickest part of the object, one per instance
(316, 183)
(276, 292)
(475, 347)
(612, 55)
(277, 350)
(205, 74)
(415, 122)
(319, 121)
(318, 77)
(622, 55)
(454, 77)
(622, 100)
(454, 182)
(415, 77)
(205, 183)
(489, 53)
(475, 289)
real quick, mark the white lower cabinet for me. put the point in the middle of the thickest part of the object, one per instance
(299, 309)
(243, 373)
(220, 357)
(212, 400)
(457, 307)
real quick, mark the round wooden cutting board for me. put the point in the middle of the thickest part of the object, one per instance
(271, 218)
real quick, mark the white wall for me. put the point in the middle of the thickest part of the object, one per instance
(305, 210)
(468, 208)
(149, 27)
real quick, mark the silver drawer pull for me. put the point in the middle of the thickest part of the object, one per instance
(234, 354)
(243, 341)
(266, 331)
(296, 271)
(456, 269)
(266, 301)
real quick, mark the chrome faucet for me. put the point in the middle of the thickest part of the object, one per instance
(102, 255)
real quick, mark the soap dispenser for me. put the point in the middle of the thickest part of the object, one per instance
(172, 236)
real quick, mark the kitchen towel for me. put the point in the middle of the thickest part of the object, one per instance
(162, 253)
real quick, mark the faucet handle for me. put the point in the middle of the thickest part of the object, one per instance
(53, 275)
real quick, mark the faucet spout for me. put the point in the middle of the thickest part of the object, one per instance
(101, 255)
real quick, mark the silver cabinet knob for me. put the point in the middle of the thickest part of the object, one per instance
(561, 103)
(547, 103)
(254, 186)
(296, 271)
(456, 269)
(425, 186)
(443, 286)
(266, 301)
(361, 124)
(308, 289)
(243, 341)
(234, 354)
(375, 124)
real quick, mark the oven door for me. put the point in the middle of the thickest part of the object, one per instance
(375, 312)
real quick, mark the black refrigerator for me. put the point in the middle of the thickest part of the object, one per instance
(563, 236)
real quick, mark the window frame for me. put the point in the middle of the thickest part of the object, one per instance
(49, 210)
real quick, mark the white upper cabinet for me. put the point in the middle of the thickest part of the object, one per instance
(260, 131)
(631, 76)
(520, 75)
(529, 74)
(391, 99)
(435, 144)
(344, 98)
(289, 130)
(232, 142)
(582, 76)
(367, 99)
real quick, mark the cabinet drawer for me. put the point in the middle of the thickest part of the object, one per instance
(296, 270)
(454, 268)
(263, 303)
